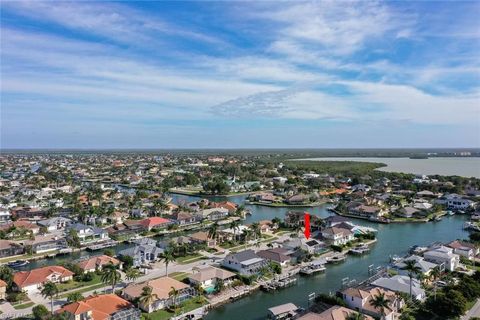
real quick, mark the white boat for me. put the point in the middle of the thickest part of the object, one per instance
(450, 213)
(336, 258)
(471, 226)
(361, 249)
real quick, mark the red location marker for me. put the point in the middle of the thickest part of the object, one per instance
(306, 231)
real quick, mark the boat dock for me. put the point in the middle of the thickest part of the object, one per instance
(275, 284)
(103, 245)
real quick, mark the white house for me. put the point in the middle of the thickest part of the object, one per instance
(33, 280)
(338, 236)
(401, 283)
(208, 277)
(244, 262)
(444, 256)
(360, 299)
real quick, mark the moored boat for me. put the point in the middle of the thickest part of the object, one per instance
(336, 259)
(18, 264)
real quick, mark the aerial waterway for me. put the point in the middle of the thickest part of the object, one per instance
(393, 239)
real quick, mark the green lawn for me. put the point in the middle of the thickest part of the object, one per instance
(179, 275)
(24, 305)
(75, 284)
(83, 289)
(165, 315)
(189, 258)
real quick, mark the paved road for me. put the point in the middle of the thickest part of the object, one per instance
(473, 312)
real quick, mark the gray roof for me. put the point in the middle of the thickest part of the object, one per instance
(400, 283)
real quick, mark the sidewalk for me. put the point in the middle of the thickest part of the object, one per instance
(473, 312)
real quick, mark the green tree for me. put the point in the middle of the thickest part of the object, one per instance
(355, 316)
(147, 297)
(380, 302)
(49, 290)
(167, 258)
(412, 269)
(213, 231)
(40, 312)
(111, 275)
(173, 294)
(132, 274)
(447, 305)
(6, 274)
(74, 297)
(219, 285)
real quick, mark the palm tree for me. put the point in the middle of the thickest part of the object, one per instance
(412, 269)
(213, 231)
(132, 274)
(167, 257)
(74, 297)
(256, 230)
(174, 294)
(355, 316)
(49, 290)
(111, 275)
(380, 302)
(234, 225)
(219, 285)
(147, 297)
(435, 274)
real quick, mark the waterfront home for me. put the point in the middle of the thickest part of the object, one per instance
(266, 226)
(401, 283)
(96, 263)
(31, 227)
(142, 254)
(276, 255)
(312, 246)
(161, 288)
(337, 236)
(297, 219)
(101, 307)
(244, 262)
(407, 212)
(455, 202)
(443, 256)
(208, 277)
(425, 267)
(33, 280)
(298, 199)
(3, 290)
(464, 249)
(155, 223)
(360, 299)
(183, 218)
(10, 248)
(333, 221)
(230, 234)
(201, 237)
(230, 206)
(89, 234)
(265, 197)
(213, 214)
(46, 243)
(332, 313)
(284, 311)
(363, 210)
(56, 223)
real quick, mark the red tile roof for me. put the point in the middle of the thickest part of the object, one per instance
(102, 306)
(26, 278)
(154, 221)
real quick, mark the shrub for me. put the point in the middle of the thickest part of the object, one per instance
(331, 300)
(40, 312)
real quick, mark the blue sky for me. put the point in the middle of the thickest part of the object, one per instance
(209, 74)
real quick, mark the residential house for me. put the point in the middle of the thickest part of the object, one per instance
(464, 249)
(425, 267)
(297, 219)
(201, 237)
(155, 223)
(33, 280)
(360, 299)
(31, 227)
(244, 262)
(88, 234)
(46, 243)
(274, 255)
(101, 307)
(56, 223)
(298, 199)
(443, 256)
(5, 216)
(213, 214)
(183, 218)
(118, 217)
(207, 277)
(142, 254)
(161, 288)
(10, 248)
(332, 313)
(401, 283)
(96, 263)
(337, 236)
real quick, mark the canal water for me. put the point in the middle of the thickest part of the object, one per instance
(393, 239)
